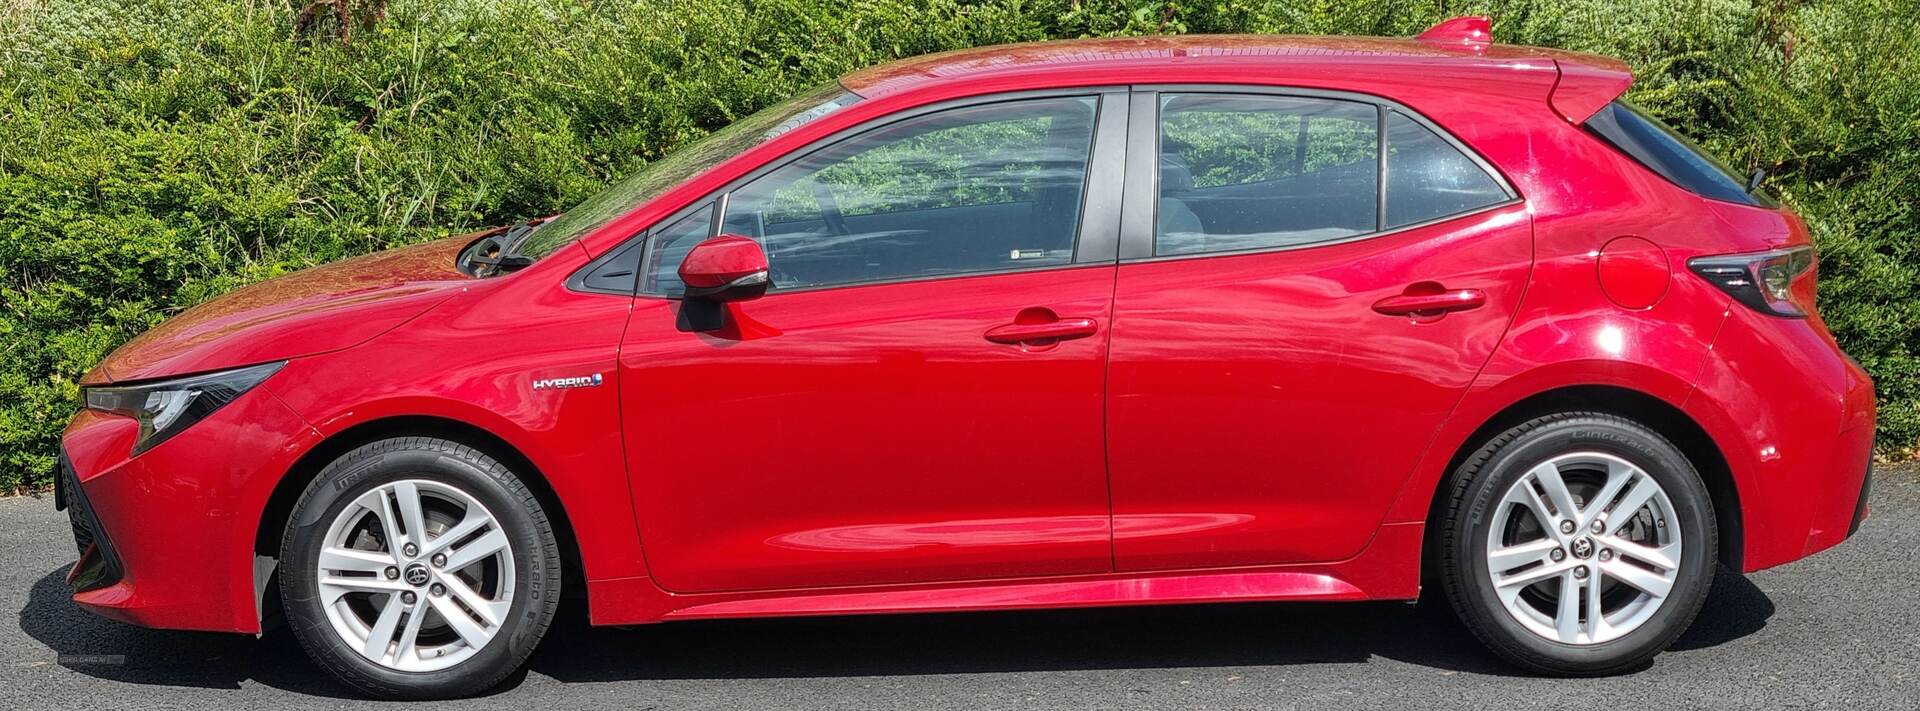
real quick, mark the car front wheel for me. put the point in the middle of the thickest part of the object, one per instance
(1578, 544)
(419, 568)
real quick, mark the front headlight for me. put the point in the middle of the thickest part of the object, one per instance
(166, 407)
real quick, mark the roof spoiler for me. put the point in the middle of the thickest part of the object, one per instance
(1587, 82)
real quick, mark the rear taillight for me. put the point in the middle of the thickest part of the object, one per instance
(1778, 282)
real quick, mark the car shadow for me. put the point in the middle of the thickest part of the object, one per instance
(1735, 608)
(109, 650)
(1225, 635)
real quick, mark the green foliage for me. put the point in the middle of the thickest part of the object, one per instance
(156, 153)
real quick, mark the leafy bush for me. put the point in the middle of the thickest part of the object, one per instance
(156, 153)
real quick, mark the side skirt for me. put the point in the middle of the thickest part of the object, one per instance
(1387, 569)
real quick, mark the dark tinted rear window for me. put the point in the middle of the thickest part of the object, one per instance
(1664, 151)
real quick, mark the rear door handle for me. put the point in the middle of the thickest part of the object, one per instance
(1036, 333)
(1431, 303)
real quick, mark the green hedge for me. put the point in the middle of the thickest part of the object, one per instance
(156, 153)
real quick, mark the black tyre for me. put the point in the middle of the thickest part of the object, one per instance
(416, 568)
(1578, 544)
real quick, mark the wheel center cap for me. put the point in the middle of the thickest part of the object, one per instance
(416, 575)
(1581, 547)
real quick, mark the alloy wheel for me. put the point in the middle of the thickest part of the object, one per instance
(416, 575)
(1583, 548)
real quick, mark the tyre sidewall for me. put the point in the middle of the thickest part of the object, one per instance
(535, 558)
(1653, 455)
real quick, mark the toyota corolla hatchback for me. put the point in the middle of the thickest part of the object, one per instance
(1106, 322)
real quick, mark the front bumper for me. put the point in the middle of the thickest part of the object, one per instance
(166, 538)
(98, 566)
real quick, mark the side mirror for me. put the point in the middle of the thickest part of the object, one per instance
(725, 268)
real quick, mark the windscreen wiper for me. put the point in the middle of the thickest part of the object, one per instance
(497, 255)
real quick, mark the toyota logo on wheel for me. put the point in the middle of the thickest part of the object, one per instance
(1582, 548)
(416, 575)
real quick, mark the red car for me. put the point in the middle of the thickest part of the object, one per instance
(1106, 322)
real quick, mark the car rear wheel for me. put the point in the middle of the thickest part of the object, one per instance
(419, 568)
(1578, 544)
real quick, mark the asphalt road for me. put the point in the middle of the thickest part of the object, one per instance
(1841, 629)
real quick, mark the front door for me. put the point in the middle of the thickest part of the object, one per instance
(919, 397)
(1288, 332)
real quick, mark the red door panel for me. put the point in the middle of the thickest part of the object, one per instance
(923, 431)
(1265, 408)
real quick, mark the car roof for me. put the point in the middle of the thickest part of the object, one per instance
(1596, 79)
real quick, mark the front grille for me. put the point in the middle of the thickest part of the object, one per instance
(98, 566)
(65, 487)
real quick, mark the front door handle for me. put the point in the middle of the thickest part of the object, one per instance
(1042, 333)
(1431, 302)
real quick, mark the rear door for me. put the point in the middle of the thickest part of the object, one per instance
(1308, 284)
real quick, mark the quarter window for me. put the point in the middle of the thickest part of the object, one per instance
(967, 190)
(669, 246)
(1428, 178)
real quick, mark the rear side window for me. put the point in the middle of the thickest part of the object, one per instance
(1245, 172)
(1662, 150)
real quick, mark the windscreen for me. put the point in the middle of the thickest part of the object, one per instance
(687, 162)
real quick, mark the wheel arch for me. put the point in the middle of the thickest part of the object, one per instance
(1657, 414)
(286, 493)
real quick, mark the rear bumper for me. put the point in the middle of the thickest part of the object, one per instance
(1794, 417)
(166, 538)
(1860, 509)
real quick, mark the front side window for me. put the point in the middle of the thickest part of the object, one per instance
(1242, 172)
(965, 190)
